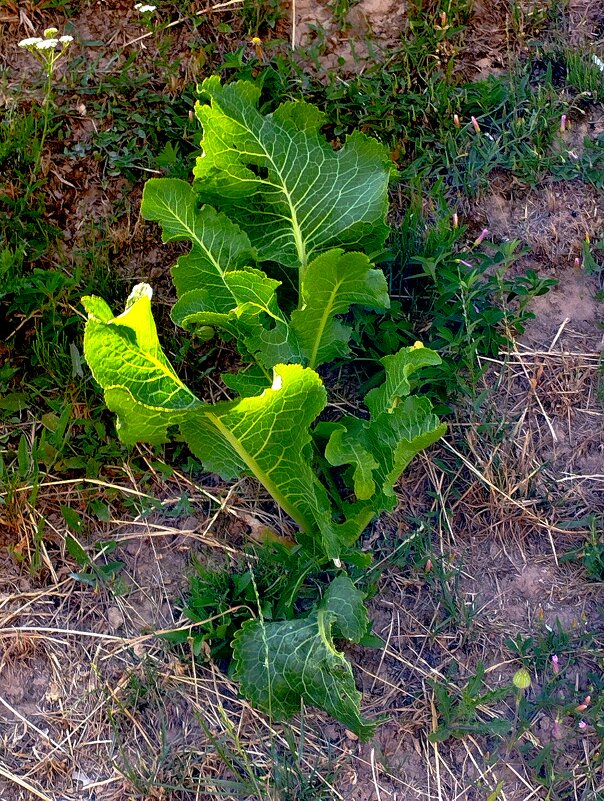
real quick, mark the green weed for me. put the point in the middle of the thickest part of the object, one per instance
(557, 659)
(459, 708)
(260, 16)
(221, 599)
(457, 300)
(591, 553)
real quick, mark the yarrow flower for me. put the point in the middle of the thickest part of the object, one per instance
(46, 53)
(47, 44)
(598, 62)
(31, 42)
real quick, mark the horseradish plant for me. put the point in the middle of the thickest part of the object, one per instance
(283, 230)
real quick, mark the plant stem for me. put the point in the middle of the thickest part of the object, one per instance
(47, 104)
(47, 101)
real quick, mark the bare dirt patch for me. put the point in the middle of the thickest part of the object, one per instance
(586, 22)
(375, 24)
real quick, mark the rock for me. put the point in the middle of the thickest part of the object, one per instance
(115, 618)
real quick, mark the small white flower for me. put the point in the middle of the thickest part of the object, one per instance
(65, 39)
(143, 9)
(47, 44)
(32, 42)
(598, 62)
(50, 33)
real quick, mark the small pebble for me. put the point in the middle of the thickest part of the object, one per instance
(115, 618)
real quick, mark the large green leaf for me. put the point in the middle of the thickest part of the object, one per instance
(281, 664)
(268, 436)
(379, 449)
(126, 359)
(399, 368)
(219, 246)
(279, 179)
(332, 283)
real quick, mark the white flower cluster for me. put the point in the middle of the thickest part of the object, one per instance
(49, 41)
(143, 9)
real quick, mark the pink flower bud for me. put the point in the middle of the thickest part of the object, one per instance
(577, 263)
(481, 237)
(555, 663)
(456, 121)
(582, 725)
(475, 125)
(563, 123)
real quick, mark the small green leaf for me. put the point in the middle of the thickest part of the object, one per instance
(85, 578)
(108, 571)
(23, 457)
(75, 550)
(345, 447)
(50, 421)
(399, 368)
(76, 361)
(107, 546)
(100, 510)
(14, 402)
(72, 518)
